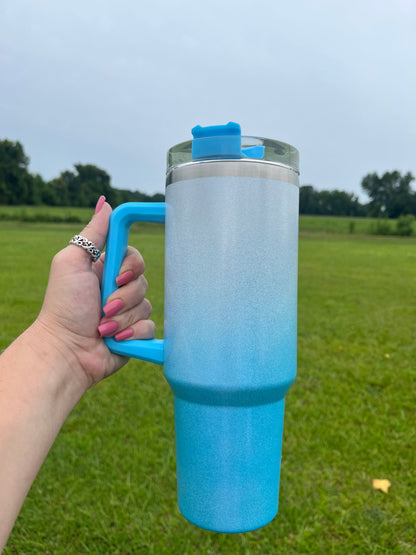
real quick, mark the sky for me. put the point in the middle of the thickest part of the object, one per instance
(117, 83)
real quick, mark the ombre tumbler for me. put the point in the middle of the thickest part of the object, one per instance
(229, 348)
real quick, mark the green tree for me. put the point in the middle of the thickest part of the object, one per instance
(14, 175)
(329, 203)
(81, 187)
(391, 194)
(308, 200)
(35, 189)
(57, 192)
(90, 183)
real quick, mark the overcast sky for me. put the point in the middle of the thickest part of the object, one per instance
(116, 83)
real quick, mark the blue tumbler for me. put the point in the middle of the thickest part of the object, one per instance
(229, 349)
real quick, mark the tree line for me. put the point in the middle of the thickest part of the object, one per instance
(391, 194)
(79, 187)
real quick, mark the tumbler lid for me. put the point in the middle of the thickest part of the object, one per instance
(225, 142)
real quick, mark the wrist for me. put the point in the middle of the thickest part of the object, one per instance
(56, 366)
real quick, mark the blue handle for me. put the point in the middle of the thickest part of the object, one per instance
(121, 219)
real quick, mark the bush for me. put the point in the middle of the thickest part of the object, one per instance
(382, 227)
(31, 215)
(404, 225)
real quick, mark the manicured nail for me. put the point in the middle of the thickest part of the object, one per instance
(124, 278)
(99, 204)
(109, 328)
(111, 308)
(125, 334)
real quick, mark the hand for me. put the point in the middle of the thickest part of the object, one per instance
(71, 317)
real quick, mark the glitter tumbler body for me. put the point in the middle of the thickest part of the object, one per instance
(230, 336)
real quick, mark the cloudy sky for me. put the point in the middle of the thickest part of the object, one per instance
(116, 83)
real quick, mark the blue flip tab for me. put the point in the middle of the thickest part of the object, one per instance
(222, 141)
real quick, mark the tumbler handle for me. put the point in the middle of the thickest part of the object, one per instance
(121, 219)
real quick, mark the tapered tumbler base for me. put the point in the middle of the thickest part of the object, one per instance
(228, 464)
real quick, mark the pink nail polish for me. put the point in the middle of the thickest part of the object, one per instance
(124, 278)
(125, 334)
(107, 329)
(111, 308)
(100, 203)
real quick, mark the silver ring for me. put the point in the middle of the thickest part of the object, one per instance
(87, 245)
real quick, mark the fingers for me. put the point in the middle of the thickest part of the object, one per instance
(126, 311)
(133, 286)
(143, 329)
(131, 268)
(129, 324)
(129, 301)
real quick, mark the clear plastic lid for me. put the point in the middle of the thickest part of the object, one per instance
(274, 151)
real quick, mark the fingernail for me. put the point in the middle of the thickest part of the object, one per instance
(109, 328)
(111, 308)
(99, 204)
(125, 334)
(124, 278)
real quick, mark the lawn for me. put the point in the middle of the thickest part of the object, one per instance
(108, 484)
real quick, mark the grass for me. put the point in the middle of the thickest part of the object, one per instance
(339, 225)
(351, 226)
(44, 214)
(314, 224)
(108, 484)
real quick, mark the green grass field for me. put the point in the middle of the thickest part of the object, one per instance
(56, 214)
(314, 224)
(108, 484)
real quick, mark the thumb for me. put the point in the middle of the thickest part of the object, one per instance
(96, 230)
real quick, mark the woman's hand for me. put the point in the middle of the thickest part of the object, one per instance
(48, 368)
(71, 316)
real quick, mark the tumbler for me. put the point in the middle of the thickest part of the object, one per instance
(230, 310)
